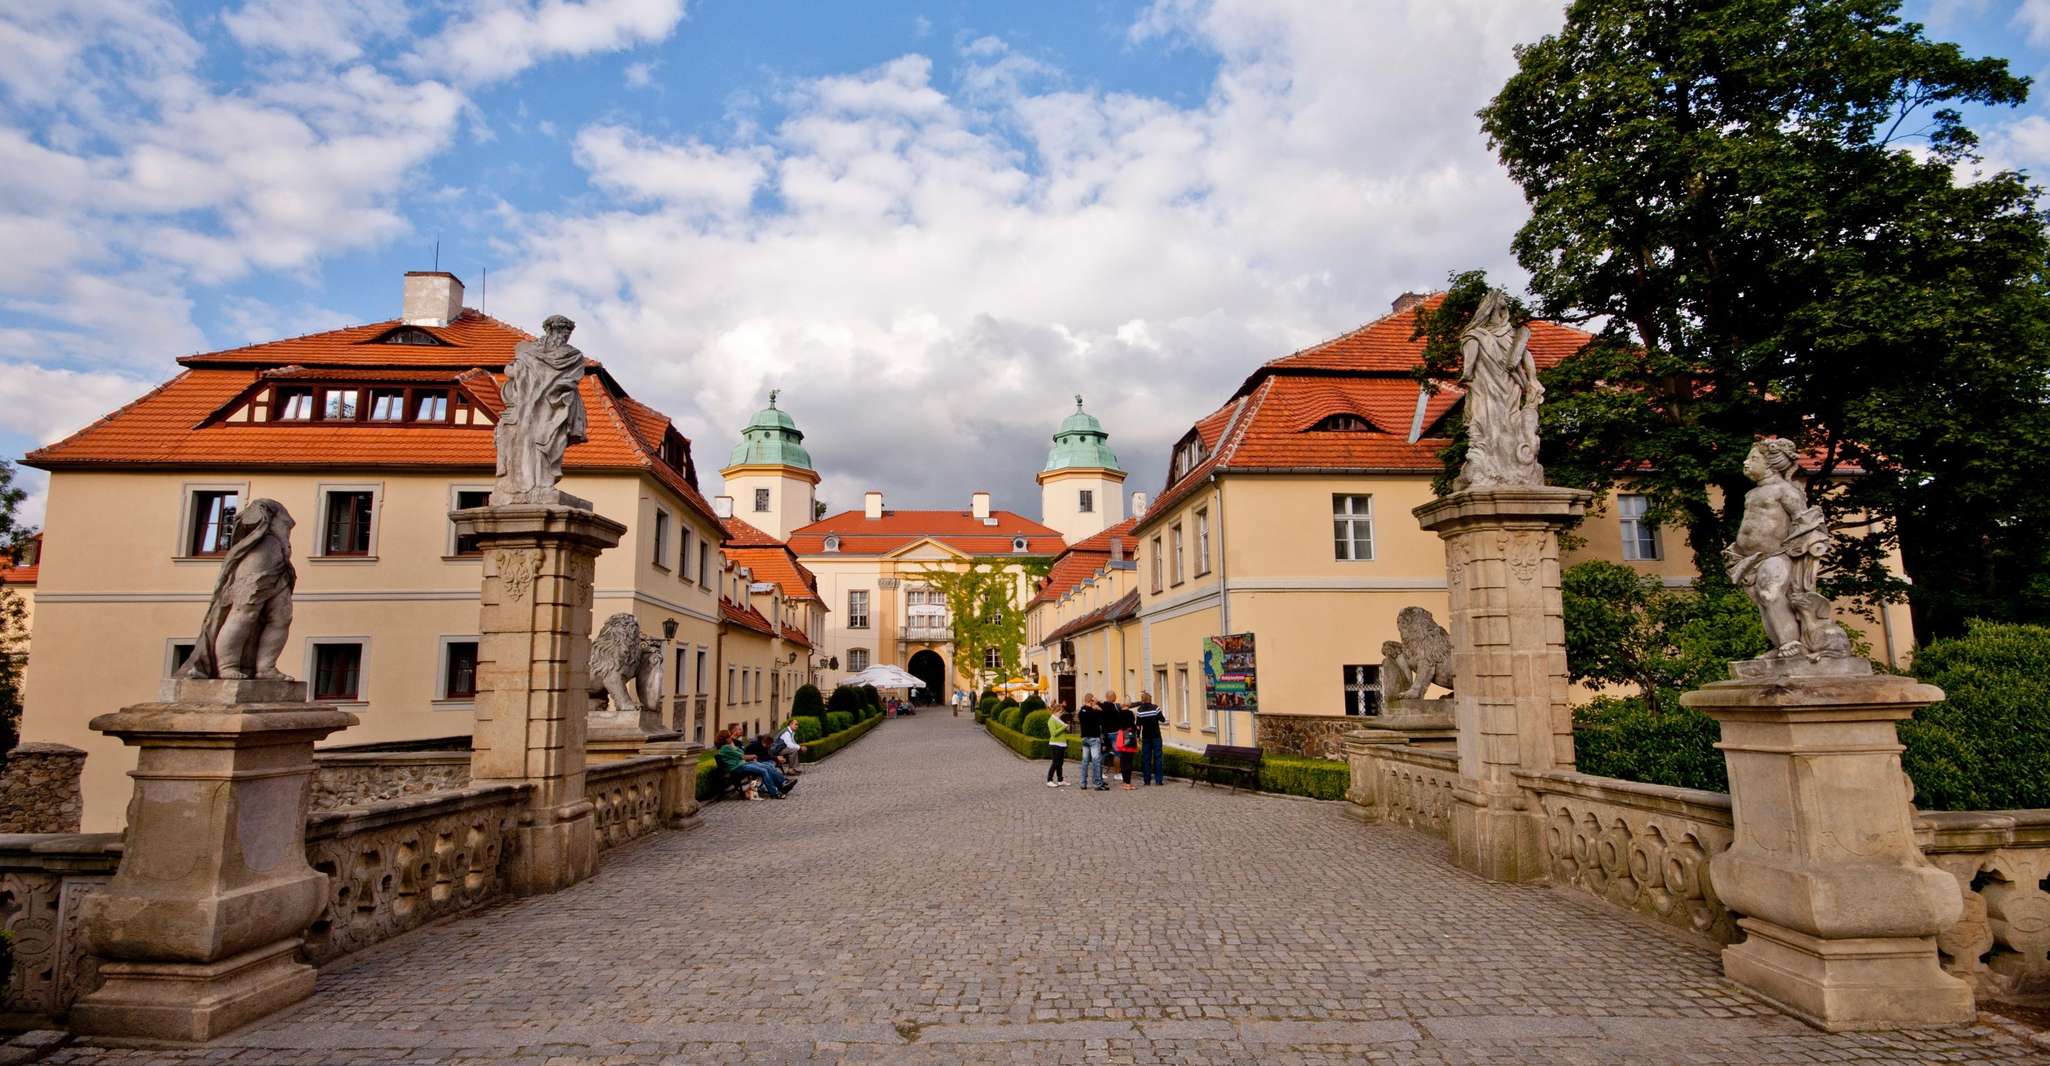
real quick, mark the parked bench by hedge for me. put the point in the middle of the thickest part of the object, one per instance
(1240, 765)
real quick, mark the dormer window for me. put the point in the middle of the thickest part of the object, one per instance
(338, 405)
(387, 405)
(384, 404)
(1343, 422)
(832, 544)
(293, 405)
(1188, 455)
(410, 335)
(430, 407)
(1019, 544)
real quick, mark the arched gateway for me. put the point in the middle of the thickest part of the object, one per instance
(928, 667)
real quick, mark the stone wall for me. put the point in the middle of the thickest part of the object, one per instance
(356, 778)
(1316, 736)
(39, 789)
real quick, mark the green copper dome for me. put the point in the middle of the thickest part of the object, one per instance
(1080, 444)
(771, 438)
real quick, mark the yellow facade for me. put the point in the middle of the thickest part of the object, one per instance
(118, 595)
(896, 629)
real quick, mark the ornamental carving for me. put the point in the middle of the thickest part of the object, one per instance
(40, 910)
(627, 806)
(517, 569)
(1525, 552)
(2002, 944)
(1653, 864)
(385, 880)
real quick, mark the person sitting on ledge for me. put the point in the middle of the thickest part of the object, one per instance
(735, 761)
(788, 751)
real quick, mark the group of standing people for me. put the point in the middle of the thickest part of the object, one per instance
(1131, 732)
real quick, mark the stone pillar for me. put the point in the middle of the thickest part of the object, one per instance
(533, 671)
(1508, 663)
(680, 783)
(1840, 908)
(199, 930)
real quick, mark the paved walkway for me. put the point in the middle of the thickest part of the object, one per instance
(923, 899)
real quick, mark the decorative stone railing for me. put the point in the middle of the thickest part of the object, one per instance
(1643, 847)
(1403, 785)
(355, 778)
(43, 879)
(399, 864)
(632, 795)
(2001, 860)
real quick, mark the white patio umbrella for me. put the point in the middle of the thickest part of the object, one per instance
(885, 676)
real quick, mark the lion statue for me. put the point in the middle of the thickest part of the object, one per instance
(621, 657)
(1422, 658)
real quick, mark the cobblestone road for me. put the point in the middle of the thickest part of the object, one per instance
(923, 899)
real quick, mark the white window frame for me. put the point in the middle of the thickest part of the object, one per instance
(1175, 569)
(758, 684)
(659, 555)
(1085, 502)
(683, 541)
(1347, 688)
(322, 494)
(704, 564)
(992, 652)
(1202, 541)
(851, 653)
(448, 547)
(181, 548)
(442, 700)
(681, 686)
(312, 658)
(1351, 520)
(859, 619)
(1158, 564)
(1633, 529)
(732, 683)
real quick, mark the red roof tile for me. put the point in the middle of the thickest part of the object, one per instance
(1082, 559)
(744, 616)
(1123, 608)
(960, 530)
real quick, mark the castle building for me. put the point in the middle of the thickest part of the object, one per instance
(1081, 488)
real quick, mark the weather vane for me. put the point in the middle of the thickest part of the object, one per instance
(1078, 401)
(773, 393)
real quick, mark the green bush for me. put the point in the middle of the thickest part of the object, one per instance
(1620, 737)
(1030, 747)
(845, 699)
(872, 699)
(809, 728)
(1291, 775)
(1033, 703)
(1013, 717)
(837, 720)
(1627, 628)
(807, 703)
(1986, 746)
(1035, 723)
(828, 745)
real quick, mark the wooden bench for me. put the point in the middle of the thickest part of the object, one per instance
(1242, 764)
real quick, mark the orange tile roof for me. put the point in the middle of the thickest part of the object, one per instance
(1123, 608)
(180, 423)
(745, 616)
(792, 636)
(960, 530)
(768, 559)
(1082, 559)
(11, 574)
(1268, 423)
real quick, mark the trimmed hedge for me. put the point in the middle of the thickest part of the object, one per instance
(1986, 746)
(807, 703)
(809, 728)
(1617, 736)
(1013, 717)
(1287, 775)
(872, 699)
(837, 721)
(1035, 723)
(846, 699)
(1033, 703)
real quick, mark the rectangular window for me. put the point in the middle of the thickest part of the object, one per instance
(1088, 501)
(459, 670)
(857, 660)
(430, 407)
(1174, 549)
(1352, 526)
(682, 664)
(292, 405)
(337, 671)
(1157, 586)
(348, 523)
(1162, 692)
(338, 405)
(1203, 541)
(704, 564)
(732, 679)
(387, 405)
(213, 523)
(992, 659)
(1640, 538)
(683, 555)
(661, 538)
(700, 675)
(467, 499)
(1181, 697)
(857, 609)
(758, 684)
(1362, 690)
(762, 500)
(181, 650)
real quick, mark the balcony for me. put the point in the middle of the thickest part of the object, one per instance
(940, 634)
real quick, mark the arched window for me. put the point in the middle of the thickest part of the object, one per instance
(1343, 422)
(832, 544)
(1019, 544)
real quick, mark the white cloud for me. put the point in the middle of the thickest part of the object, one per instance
(496, 39)
(45, 405)
(640, 75)
(334, 30)
(930, 271)
(2033, 16)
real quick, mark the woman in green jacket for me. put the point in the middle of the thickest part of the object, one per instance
(1057, 743)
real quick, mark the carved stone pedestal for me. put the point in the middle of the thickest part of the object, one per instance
(533, 667)
(1508, 663)
(1841, 909)
(1429, 724)
(199, 928)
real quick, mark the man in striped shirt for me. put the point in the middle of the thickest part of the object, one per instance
(1151, 757)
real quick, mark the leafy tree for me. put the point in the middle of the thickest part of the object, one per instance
(1756, 202)
(1627, 628)
(13, 614)
(983, 600)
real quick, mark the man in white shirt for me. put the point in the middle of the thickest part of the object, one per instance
(788, 747)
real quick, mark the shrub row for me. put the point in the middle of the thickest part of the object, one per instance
(1286, 775)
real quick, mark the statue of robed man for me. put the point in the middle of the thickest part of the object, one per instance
(1502, 399)
(543, 415)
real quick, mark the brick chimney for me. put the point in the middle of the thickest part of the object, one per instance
(1408, 300)
(872, 504)
(978, 504)
(722, 506)
(433, 298)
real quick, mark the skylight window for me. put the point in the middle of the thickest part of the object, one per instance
(1343, 422)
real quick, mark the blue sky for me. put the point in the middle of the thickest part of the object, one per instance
(928, 223)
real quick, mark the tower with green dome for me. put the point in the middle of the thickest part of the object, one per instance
(1081, 487)
(769, 476)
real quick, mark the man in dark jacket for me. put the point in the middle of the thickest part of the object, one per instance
(1117, 719)
(1091, 728)
(1151, 756)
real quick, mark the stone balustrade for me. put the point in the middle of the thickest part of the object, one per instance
(44, 877)
(629, 796)
(399, 864)
(1643, 847)
(355, 778)
(1401, 784)
(2000, 860)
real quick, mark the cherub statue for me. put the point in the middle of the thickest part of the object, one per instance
(250, 614)
(1779, 548)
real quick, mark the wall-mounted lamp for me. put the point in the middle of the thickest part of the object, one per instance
(669, 629)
